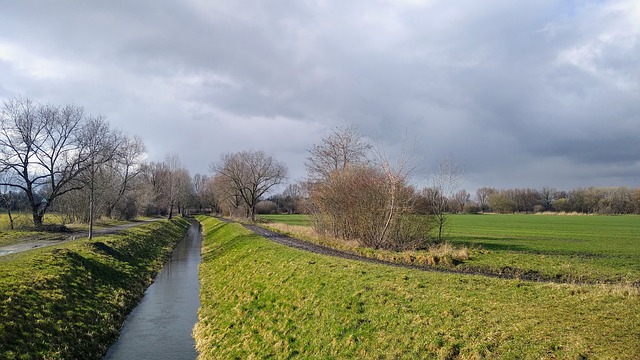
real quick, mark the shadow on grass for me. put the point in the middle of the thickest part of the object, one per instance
(502, 247)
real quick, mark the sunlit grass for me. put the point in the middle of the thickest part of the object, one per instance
(260, 299)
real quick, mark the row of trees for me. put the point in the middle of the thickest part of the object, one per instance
(48, 151)
(58, 158)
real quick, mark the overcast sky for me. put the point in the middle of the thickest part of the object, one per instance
(525, 93)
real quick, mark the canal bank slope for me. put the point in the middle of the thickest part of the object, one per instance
(69, 301)
(261, 299)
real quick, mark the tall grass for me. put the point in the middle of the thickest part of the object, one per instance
(444, 254)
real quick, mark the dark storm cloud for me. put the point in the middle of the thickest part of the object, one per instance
(525, 93)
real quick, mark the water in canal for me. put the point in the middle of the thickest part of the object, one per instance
(160, 326)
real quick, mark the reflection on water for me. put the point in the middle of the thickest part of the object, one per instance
(160, 326)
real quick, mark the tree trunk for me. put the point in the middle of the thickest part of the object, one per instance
(109, 210)
(37, 217)
(10, 217)
(91, 211)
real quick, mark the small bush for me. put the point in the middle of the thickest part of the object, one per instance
(266, 207)
(471, 208)
(55, 228)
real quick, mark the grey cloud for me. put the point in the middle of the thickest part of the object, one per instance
(501, 85)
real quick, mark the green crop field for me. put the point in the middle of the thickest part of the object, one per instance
(260, 299)
(564, 248)
(591, 248)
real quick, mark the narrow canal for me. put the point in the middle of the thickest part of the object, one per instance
(160, 326)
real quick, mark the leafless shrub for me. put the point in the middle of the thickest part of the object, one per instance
(365, 200)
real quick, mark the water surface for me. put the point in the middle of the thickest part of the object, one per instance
(160, 326)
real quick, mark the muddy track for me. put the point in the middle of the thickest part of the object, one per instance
(505, 273)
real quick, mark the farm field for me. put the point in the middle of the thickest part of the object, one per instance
(565, 248)
(261, 299)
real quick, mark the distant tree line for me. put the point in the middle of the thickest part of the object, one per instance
(591, 200)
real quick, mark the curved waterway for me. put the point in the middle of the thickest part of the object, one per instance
(160, 326)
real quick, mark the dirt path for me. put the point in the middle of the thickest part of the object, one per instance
(507, 273)
(29, 245)
(323, 250)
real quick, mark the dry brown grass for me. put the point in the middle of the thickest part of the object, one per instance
(563, 213)
(443, 254)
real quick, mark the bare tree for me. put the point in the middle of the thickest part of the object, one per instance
(101, 143)
(208, 197)
(635, 199)
(370, 201)
(502, 202)
(174, 182)
(40, 145)
(184, 190)
(547, 196)
(397, 173)
(482, 196)
(226, 196)
(251, 174)
(291, 198)
(462, 197)
(446, 182)
(343, 147)
(199, 187)
(8, 198)
(126, 166)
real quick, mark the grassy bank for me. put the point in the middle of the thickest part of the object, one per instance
(596, 249)
(261, 299)
(68, 301)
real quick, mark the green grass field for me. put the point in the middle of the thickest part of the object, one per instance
(564, 248)
(260, 299)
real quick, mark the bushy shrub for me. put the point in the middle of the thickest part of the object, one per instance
(266, 207)
(365, 204)
(410, 232)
